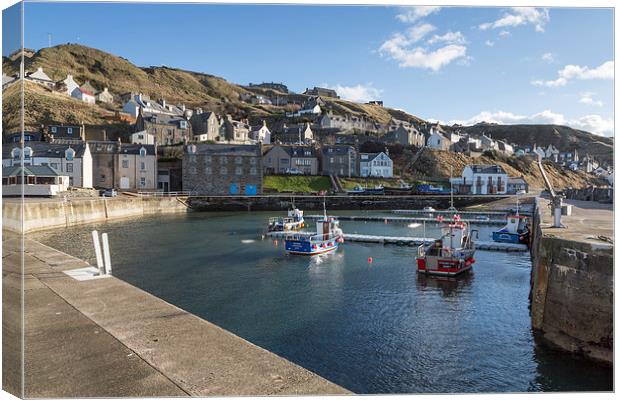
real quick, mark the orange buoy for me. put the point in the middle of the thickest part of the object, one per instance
(369, 260)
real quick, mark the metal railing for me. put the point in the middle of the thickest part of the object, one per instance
(166, 194)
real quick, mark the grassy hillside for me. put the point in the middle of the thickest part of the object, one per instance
(433, 164)
(296, 184)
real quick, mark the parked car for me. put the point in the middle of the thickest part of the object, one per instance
(428, 209)
(481, 218)
(109, 193)
(293, 171)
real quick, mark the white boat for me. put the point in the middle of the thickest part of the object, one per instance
(326, 239)
(292, 222)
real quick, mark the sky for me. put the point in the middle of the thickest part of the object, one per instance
(451, 64)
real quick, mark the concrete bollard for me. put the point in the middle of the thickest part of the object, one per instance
(97, 245)
(106, 254)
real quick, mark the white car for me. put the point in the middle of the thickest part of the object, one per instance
(428, 209)
(293, 171)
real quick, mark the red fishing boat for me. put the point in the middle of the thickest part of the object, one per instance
(451, 254)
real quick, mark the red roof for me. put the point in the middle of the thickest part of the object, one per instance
(86, 92)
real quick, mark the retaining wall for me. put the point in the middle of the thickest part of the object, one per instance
(603, 195)
(571, 293)
(53, 214)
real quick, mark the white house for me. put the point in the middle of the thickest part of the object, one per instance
(84, 95)
(72, 160)
(486, 143)
(261, 133)
(137, 101)
(70, 84)
(142, 137)
(481, 179)
(104, 96)
(376, 164)
(539, 151)
(552, 153)
(438, 141)
(41, 78)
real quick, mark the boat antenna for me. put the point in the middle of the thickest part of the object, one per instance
(324, 209)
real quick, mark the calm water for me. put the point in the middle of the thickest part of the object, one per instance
(371, 327)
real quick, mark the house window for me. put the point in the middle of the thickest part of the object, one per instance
(69, 167)
(208, 159)
(238, 160)
(69, 131)
(223, 160)
(27, 153)
(125, 163)
(16, 154)
(143, 182)
(142, 152)
(253, 171)
(53, 129)
(142, 166)
(208, 170)
(238, 170)
(69, 154)
(223, 171)
(183, 124)
(253, 161)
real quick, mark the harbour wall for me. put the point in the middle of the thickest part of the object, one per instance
(280, 203)
(571, 295)
(40, 215)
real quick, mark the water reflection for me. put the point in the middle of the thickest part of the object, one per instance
(448, 286)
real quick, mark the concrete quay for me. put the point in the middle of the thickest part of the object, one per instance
(572, 279)
(106, 338)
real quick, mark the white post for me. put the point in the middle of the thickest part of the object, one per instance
(106, 254)
(98, 252)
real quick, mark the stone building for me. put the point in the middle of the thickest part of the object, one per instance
(296, 134)
(319, 91)
(404, 136)
(222, 169)
(126, 166)
(339, 161)
(291, 159)
(104, 96)
(167, 129)
(205, 126)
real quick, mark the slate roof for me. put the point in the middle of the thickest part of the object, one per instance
(29, 170)
(7, 79)
(163, 119)
(88, 88)
(487, 169)
(517, 180)
(336, 150)
(300, 151)
(224, 149)
(111, 147)
(45, 149)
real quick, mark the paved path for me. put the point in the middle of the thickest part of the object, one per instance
(106, 338)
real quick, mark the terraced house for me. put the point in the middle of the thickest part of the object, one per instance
(167, 129)
(291, 159)
(126, 166)
(222, 169)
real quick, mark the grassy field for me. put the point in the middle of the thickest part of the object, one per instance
(296, 184)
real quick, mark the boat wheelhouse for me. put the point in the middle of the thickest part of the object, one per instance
(326, 239)
(451, 254)
(292, 222)
(515, 230)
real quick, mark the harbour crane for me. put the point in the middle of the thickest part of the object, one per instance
(556, 199)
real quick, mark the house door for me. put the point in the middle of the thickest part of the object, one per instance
(250, 190)
(124, 182)
(234, 188)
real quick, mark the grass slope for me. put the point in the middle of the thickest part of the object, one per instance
(296, 184)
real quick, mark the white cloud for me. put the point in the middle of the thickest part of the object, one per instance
(592, 123)
(402, 47)
(603, 71)
(520, 16)
(412, 14)
(489, 43)
(504, 33)
(587, 98)
(358, 93)
(449, 37)
(548, 58)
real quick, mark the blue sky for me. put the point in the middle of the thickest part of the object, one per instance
(528, 65)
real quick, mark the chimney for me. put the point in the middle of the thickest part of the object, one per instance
(163, 102)
(182, 107)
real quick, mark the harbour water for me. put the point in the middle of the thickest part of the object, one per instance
(372, 327)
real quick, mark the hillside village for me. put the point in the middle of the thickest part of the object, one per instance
(138, 141)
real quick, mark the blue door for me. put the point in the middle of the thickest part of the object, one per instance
(250, 190)
(234, 189)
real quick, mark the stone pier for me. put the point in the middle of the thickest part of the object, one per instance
(106, 338)
(572, 295)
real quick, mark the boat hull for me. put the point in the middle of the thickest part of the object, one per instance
(310, 248)
(443, 266)
(507, 237)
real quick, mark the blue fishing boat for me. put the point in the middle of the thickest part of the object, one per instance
(515, 231)
(326, 239)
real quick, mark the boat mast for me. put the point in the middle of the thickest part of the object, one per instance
(324, 209)
(451, 191)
